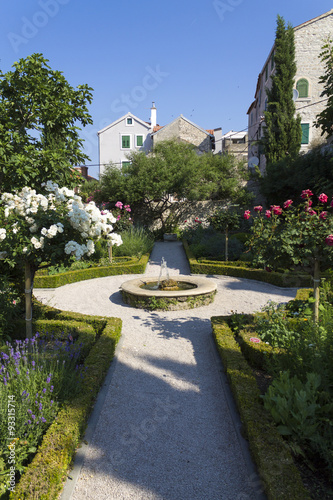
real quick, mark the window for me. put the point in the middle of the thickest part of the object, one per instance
(266, 72)
(129, 121)
(126, 141)
(305, 133)
(139, 140)
(303, 88)
(125, 163)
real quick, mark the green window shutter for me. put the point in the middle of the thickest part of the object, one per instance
(303, 87)
(126, 142)
(305, 133)
(125, 163)
(139, 140)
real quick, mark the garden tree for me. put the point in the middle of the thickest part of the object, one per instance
(35, 229)
(173, 168)
(325, 118)
(40, 114)
(224, 220)
(282, 131)
(294, 237)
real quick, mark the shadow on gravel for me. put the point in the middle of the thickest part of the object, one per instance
(167, 431)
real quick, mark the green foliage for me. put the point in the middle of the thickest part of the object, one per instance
(173, 168)
(325, 118)
(302, 412)
(223, 219)
(273, 328)
(137, 241)
(286, 178)
(39, 133)
(207, 242)
(282, 131)
(10, 308)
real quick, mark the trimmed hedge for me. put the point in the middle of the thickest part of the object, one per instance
(133, 266)
(44, 477)
(287, 279)
(275, 464)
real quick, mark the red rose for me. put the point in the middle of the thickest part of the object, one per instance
(329, 240)
(247, 214)
(323, 198)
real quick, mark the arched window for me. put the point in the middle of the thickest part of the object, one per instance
(303, 87)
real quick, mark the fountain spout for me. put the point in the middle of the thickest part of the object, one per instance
(163, 266)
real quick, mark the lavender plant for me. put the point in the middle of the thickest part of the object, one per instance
(36, 377)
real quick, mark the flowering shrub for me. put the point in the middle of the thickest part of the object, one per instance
(51, 227)
(35, 378)
(291, 236)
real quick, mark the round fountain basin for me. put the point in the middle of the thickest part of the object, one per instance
(140, 293)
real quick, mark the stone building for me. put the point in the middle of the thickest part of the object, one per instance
(183, 130)
(309, 39)
(235, 143)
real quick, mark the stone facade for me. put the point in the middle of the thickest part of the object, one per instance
(309, 39)
(183, 130)
(235, 143)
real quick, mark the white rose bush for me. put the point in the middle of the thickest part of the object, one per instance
(51, 227)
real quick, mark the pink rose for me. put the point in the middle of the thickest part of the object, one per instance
(258, 208)
(276, 209)
(287, 203)
(323, 198)
(268, 213)
(323, 215)
(247, 214)
(119, 204)
(329, 240)
(306, 193)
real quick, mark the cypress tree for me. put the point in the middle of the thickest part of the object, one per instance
(282, 133)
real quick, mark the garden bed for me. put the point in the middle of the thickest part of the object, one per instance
(254, 367)
(243, 270)
(130, 266)
(44, 476)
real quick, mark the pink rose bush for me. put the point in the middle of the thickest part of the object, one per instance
(289, 236)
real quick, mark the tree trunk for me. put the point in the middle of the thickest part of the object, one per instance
(28, 300)
(110, 252)
(316, 283)
(226, 243)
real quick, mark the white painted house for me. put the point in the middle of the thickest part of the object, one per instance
(128, 133)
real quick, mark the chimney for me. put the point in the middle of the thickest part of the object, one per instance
(153, 116)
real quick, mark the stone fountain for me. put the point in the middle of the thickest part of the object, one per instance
(171, 293)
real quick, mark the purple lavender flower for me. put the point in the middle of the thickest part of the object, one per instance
(29, 422)
(48, 380)
(51, 388)
(4, 380)
(29, 411)
(40, 406)
(33, 417)
(44, 390)
(17, 371)
(43, 420)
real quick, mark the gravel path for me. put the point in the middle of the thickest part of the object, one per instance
(164, 426)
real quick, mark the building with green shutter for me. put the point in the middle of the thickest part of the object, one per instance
(309, 39)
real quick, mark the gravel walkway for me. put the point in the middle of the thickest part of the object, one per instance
(164, 426)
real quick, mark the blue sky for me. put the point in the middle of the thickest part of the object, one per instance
(199, 58)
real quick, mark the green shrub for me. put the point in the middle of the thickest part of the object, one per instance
(10, 307)
(137, 241)
(304, 413)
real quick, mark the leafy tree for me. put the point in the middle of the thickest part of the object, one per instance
(325, 118)
(282, 132)
(173, 168)
(39, 117)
